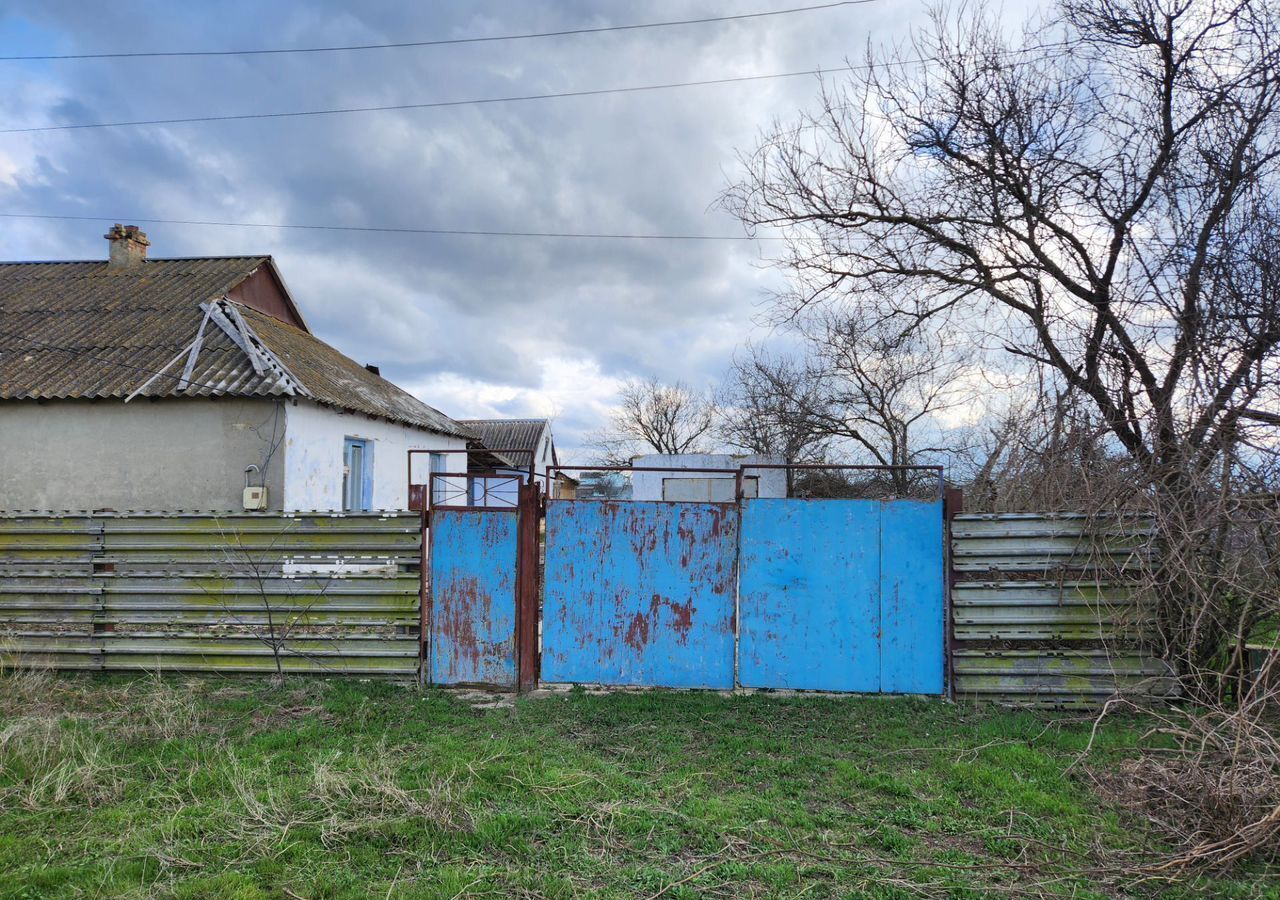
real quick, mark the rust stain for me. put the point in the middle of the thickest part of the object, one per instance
(638, 632)
(458, 602)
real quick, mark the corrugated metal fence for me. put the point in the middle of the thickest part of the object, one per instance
(1042, 611)
(233, 592)
(1040, 608)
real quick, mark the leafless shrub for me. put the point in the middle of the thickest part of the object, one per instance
(280, 620)
(1208, 781)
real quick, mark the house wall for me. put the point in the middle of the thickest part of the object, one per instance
(162, 454)
(313, 456)
(648, 485)
(543, 456)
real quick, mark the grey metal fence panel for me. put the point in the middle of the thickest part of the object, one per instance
(220, 592)
(1042, 612)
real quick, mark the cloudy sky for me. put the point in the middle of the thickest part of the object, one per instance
(477, 326)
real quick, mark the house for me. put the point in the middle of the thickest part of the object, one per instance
(532, 439)
(669, 479)
(525, 445)
(167, 384)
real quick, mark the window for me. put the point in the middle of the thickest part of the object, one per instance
(439, 486)
(357, 475)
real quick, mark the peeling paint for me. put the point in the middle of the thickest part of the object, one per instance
(473, 596)
(640, 593)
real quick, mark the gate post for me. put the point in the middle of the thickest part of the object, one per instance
(952, 505)
(529, 511)
(424, 596)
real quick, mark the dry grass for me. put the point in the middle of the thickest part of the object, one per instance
(1208, 781)
(369, 796)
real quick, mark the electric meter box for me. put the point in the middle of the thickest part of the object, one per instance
(255, 498)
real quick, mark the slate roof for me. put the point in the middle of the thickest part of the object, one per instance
(506, 434)
(81, 330)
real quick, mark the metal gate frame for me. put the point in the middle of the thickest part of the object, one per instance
(530, 509)
(528, 512)
(742, 471)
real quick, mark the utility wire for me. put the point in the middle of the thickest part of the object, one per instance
(436, 104)
(521, 98)
(141, 54)
(622, 236)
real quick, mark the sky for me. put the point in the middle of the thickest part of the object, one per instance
(475, 326)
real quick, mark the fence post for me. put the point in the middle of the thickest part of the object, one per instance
(952, 505)
(424, 596)
(529, 513)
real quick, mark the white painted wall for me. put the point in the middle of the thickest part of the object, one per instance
(542, 456)
(648, 485)
(313, 446)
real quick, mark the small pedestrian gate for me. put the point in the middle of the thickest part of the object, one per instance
(808, 594)
(480, 617)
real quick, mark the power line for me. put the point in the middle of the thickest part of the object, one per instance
(521, 98)
(145, 54)
(627, 236)
(437, 104)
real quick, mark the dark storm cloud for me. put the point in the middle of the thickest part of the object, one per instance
(460, 319)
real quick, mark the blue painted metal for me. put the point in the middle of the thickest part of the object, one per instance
(639, 593)
(473, 596)
(911, 597)
(809, 595)
(841, 595)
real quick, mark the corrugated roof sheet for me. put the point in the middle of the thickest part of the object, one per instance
(340, 381)
(81, 330)
(507, 434)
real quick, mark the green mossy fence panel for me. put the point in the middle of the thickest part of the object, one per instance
(1042, 611)
(332, 593)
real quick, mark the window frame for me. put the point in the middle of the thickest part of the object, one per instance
(365, 504)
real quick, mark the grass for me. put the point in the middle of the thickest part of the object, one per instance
(325, 789)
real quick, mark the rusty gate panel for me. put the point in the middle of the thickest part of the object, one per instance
(640, 593)
(472, 616)
(809, 598)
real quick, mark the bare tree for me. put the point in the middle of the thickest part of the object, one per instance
(883, 388)
(656, 417)
(1102, 206)
(284, 606)
(865, 391)
(771, 405)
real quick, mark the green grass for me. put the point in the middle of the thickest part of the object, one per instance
(325, 789)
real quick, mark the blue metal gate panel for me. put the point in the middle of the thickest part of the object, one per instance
(473, 596)
(639, 593)
(911, 597)
(809, 595)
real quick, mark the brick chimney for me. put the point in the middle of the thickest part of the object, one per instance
(128, 245)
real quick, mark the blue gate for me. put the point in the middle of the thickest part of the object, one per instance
(841, 595)
(640, 593)
(472, 615)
